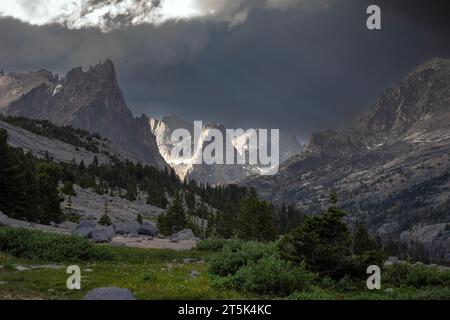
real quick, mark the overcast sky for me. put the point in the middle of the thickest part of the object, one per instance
(299, 65)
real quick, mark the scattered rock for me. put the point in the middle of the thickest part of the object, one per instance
(189, 260)
(149, 229)
(131, 228)
(88, 270)
(391, 260)
(185, 234)
(389, 290)
(3, 282)
(110, 293)
(21, 268)
(48, 266)
(194, 274)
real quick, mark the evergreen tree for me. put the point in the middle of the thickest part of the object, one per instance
(255, 220)
(105, 219)
(322, 242)
(68, 189)
(362, 242)
(139, 219)
(47, 177)
(174, 219)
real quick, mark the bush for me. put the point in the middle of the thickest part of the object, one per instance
(32, 244)
(105, 220)
(417, 276)
(233, 257)
(272, 276)
(215, 244)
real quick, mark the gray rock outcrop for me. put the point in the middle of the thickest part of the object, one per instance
(185, 234)
(102, 234)
(85, 228)
(128, 228)
(149, 229)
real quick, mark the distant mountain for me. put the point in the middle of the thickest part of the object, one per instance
(90, 100)
(391, 168)
(212, 174)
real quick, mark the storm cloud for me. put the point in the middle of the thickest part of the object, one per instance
(296, 65)
(108, 15)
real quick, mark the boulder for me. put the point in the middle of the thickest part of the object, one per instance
(67, 225)
(13, 223)
(149, 229)
(102, 234)
(85, 228)
(185, 234)
(109, 293)
(128, 228)
(3, 219)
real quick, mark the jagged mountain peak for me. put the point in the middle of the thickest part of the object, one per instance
(90, 100)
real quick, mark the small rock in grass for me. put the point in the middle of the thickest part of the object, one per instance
(189, 260)
(48, 266)
(110, 293)
(88, 270)
(194, 274)
(22, 268)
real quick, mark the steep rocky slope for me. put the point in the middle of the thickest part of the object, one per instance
(90, 100)
(391, 168)
(41, 146)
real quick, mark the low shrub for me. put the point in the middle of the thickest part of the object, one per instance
(417, 276)
(232, 258)
(314, 293)
(272, 276)
(32, 244)
(216, 244)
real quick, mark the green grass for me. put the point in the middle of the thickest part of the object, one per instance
(149, 274)
(162, 274)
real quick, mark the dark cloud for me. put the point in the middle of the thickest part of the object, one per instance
(294, 69)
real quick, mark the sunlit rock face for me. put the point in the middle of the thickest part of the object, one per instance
(216, 173)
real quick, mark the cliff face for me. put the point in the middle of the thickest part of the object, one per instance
(391, 168)
(213, 174)
(90, 100)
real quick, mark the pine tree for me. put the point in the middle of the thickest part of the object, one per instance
(361, 240)
(174, 219)
(322, 242)
(105, 219)
(139, 219)
(48, 176)
(255, 220)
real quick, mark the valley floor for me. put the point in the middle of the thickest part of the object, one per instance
(149, 274)
(155, 274)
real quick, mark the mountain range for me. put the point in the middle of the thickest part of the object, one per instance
(92, 100)
(391, 168)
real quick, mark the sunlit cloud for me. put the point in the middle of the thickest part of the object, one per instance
(111, 14)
